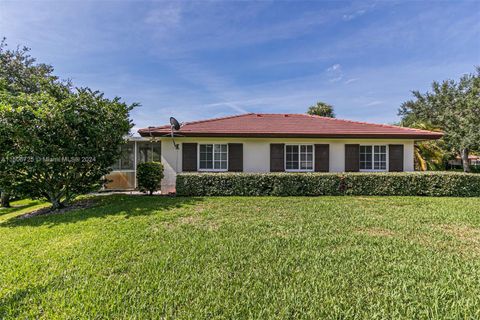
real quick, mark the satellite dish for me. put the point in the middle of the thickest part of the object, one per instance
(174, 123)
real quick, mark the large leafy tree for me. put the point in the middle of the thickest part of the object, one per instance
(321, 109)
(62, 147)
(452, 106)
(20, 74)
(57, 142)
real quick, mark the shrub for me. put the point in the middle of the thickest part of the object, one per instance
(149, 176)
(473, 169)
(317, 184)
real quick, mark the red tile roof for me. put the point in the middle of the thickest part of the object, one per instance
(470, 157)
(288, 125)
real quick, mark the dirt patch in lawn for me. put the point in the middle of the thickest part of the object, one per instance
(462, 239)
(79, 204)
(463, 233)
(196, 220)
(193, 220)
(199, 209)
(376, 232)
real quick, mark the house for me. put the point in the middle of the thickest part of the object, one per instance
(276, 143)
(285, 142)
(473, 160)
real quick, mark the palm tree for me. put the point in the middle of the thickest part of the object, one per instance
(321, 109)
(429, 155)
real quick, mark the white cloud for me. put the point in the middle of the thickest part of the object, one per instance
(358, 13)
(335, 73)
(348, 81)
(374, 103)
(335, 67)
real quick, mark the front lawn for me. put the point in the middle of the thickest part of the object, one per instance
(327, 257)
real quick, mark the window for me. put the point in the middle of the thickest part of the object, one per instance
(148, 151)
(127, 157)
(373, 158)
(213, 157)
(298, 157)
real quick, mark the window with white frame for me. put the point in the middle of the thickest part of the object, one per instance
(299, 157)
(213, 157)
(373, 158)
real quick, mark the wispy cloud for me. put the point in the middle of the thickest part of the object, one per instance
(208, 26)
(348, 81)
(198, 59)
(358, 13)
(165, 16)
(374, 103)
(335, 68)
(335, 73)
(218, 86)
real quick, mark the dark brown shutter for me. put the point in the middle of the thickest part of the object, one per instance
(189, 157)
(322, 157)
(235, 157)
(395, 157)
(352, 157)
(277, 157)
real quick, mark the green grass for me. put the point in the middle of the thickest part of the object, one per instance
(330, 257)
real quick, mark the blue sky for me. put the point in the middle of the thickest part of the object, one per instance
(204, 59)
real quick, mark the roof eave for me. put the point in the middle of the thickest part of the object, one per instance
(417, 136)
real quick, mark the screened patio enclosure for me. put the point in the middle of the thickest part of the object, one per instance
(134, 151)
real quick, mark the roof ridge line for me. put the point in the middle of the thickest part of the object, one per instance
(202, 121)
(220, 118)
(370, 123)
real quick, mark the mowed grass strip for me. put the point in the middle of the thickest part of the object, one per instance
(137, 257)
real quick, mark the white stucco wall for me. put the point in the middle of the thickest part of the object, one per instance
(408, 156)
(256, 153)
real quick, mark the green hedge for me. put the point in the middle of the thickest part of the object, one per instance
(440, 184)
